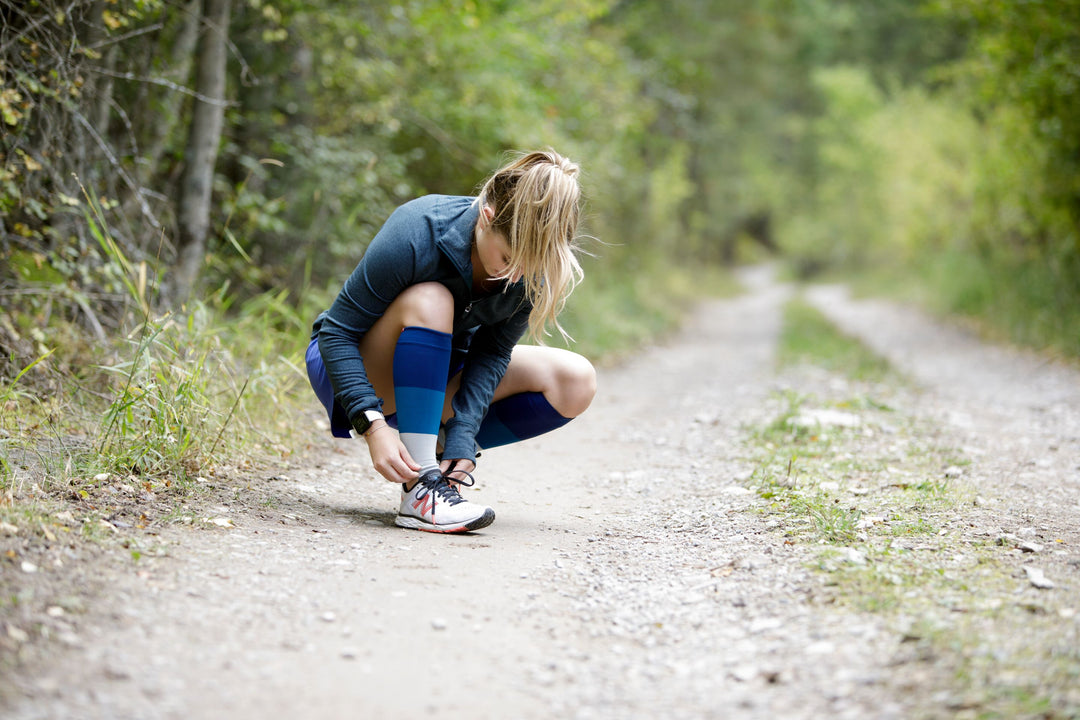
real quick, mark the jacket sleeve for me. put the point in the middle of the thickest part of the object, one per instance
(390, 264)
(485, 365)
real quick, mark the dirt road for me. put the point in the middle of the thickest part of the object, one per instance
(627, 574)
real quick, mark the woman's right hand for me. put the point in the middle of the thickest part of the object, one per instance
(388, 455)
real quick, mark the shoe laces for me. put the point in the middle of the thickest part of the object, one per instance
(444, 487)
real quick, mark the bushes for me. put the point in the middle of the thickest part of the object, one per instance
(913, 182)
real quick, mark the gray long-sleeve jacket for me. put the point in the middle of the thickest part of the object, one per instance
(427, 239)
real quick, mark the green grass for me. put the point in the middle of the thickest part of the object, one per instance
(624, 304)
(167, 398)
(1032, 303)
(808, 337)
(887, 530)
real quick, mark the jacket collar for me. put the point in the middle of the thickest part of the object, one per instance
(454, 232)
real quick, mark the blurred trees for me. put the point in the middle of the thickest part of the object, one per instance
(894, 132)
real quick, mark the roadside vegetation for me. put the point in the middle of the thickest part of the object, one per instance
(885, 501)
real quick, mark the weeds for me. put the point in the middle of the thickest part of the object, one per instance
(132, 421)
(809, 337)
(884, 514)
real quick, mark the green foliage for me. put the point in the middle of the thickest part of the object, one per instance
(1026, 57)
(638, 301)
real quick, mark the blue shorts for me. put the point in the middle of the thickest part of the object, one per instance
(320, 383)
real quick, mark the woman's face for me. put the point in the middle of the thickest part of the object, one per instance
(492, 250)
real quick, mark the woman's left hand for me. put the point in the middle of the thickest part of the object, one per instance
(457, 464)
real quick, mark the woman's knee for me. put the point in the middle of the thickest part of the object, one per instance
(576, 384)
(428, 304)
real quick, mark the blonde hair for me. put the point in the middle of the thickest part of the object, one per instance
(536, 201)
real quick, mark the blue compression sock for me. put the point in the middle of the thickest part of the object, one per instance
(421, 361)
(516, 418)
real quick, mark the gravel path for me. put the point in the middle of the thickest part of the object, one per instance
(623, 578)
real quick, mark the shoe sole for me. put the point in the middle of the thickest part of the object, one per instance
(415, 523)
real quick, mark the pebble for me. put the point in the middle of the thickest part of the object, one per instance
(1038, 578)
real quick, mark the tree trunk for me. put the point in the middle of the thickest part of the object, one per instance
(180, 59)
(204, 138)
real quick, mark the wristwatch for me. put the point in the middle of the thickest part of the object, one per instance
(363, 422)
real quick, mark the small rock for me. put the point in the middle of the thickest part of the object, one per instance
(744, 673)
(101, 477)
(438, 624)
(822, 647)
(116, 673)
(349, 653)
(8, 529)
(328, 617)
(764, 625)
(953, 471)
(869, 521)
(1038, 578)
(853, 556)
(1030, 547)
(29, 567)
(48, 686)
(825, 418)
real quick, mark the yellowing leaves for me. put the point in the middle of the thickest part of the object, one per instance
(31, 164)
(112, 20)
(9, 98)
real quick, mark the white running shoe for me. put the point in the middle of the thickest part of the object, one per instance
(435, 505)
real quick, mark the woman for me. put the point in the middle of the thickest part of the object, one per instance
(423, 336)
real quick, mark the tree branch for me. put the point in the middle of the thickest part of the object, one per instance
(143, 206)
(164, 83)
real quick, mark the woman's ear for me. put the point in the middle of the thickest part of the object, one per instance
(489, 214)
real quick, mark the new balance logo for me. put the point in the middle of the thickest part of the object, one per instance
(424, 505)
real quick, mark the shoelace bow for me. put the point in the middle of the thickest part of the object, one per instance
(444, 486)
